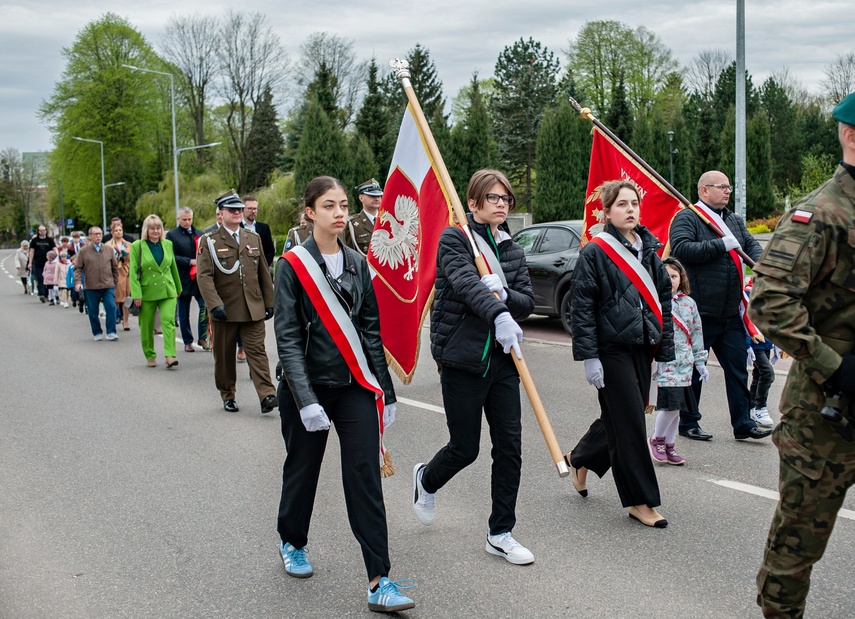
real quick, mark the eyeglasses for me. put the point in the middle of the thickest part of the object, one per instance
(233, 210)
(493, 198)
(721, 186)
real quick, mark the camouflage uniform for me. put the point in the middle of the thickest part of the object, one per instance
(358, 233)
(296, 236)
(804, 301)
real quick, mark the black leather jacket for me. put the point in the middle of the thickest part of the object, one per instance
(307, 354)
(607, 307)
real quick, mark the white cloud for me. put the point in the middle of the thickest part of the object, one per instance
(462, 36)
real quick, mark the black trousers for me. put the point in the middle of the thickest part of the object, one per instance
(464, 395)
(726, 336)
(353, 414)
(618, 439)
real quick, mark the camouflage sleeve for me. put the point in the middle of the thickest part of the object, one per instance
(797, 254)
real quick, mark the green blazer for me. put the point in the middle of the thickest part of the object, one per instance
(153, 281)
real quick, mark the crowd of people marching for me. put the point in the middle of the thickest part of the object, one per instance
(634, 322)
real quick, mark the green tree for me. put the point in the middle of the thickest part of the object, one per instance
(786, 163)
(619, 117)
(760, 190)
(373, 121)
(606, 50)
(563, 156)
(526, 74)
(362, 165)
(265, 143)
(97, 98)
(322, 150)
(472, 146)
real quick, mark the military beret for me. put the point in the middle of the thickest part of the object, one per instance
(229, 199)
(844, 112)
(369, 188)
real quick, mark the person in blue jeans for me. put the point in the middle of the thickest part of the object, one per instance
(98, 263)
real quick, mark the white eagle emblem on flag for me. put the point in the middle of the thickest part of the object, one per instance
(401, 247)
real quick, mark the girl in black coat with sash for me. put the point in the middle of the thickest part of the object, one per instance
(473, 334)
(621, 321)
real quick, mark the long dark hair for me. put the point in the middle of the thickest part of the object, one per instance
(684, 278)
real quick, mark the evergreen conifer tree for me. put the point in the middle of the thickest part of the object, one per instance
(563, 157)
(265, 142)
(322, 149)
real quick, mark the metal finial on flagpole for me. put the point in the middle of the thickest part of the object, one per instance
(402, 71)
(584, 112)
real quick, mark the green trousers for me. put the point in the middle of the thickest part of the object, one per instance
(148, 309)
(817, 467)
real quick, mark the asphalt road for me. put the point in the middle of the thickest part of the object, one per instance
(126, 491)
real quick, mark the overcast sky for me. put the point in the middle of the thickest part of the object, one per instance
(462, 36)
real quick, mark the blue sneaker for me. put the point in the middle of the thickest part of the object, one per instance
(296, 563)
(387, 598)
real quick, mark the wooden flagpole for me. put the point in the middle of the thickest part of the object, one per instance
(586, 113)
(403, 74)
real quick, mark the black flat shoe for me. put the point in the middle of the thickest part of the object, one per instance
(230, 406)
(269, 403)
(661, 523)
(581, 488)
(696, 434)
(755, 433)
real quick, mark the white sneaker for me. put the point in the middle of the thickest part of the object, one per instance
(504, 545)
(761, 417)
(99, 337)
(424, 503)
(112, 337)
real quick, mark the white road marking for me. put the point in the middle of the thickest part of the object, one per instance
(417, 404)
(767, 494)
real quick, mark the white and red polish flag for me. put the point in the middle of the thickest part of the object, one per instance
(414, 211)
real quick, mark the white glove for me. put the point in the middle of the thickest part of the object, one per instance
(508, 333)
(314, 417)
(494, 284)
(658, 368)
(703, 372)
(389, 414)
(751, 356)
(730, 242)
(594, 373)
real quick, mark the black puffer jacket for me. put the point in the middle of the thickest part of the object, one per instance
(185, 250)
(607, 306)
(715, 281)
(307, 354)
(461, 327)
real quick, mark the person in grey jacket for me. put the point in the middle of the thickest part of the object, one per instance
(716, 283)
(319, 389)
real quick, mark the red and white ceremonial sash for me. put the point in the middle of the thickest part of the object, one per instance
(719, 224)
(338, 324)
(631, 266)
(193, 268)
(678, 322)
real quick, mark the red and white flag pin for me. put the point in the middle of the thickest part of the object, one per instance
(801, 216)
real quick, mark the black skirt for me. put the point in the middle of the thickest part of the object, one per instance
(676, 399)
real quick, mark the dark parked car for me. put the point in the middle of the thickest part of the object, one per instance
(551, 251)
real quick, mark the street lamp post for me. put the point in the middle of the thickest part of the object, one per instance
(174, 142)
(103, 187)
(671, 152)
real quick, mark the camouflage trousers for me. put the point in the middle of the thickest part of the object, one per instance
(817, 466)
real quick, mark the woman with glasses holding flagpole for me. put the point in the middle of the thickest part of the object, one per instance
(621, 321)
(473, 333)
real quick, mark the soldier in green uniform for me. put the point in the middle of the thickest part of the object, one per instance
(360, 227)
(804, 301)
(234, 281)
(298, 234)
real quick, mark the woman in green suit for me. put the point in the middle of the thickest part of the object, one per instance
(155, 284)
